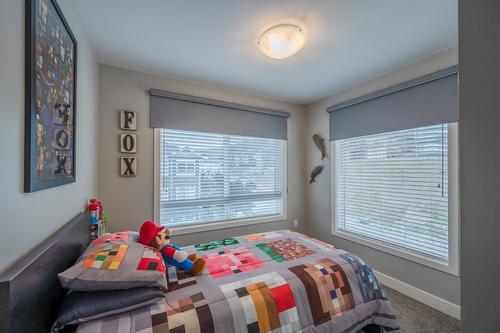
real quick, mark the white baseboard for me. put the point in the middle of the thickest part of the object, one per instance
(428, 299)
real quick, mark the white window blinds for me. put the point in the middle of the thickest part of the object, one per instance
(208, 177)
(393, 188)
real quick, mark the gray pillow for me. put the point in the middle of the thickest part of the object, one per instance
(116, 264)
(81, 306)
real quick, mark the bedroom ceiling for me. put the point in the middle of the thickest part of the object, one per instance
(349, 41)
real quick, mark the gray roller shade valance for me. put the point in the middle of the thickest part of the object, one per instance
(432, 99)
(191, 113)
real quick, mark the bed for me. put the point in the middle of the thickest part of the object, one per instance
(279, 281)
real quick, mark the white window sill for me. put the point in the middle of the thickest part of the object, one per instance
(393, 250)
(189, 229)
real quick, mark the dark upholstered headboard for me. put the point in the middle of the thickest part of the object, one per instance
(30, 293)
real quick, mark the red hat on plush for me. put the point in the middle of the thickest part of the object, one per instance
(148, 232)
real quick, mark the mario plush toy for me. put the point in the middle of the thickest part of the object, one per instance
(159, 237)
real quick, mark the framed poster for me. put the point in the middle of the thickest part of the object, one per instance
(50, 97)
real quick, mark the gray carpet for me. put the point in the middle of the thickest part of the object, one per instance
(416, 317)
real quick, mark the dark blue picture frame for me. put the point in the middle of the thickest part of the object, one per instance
(55, 165)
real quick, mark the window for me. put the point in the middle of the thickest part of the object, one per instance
(393, 190)
(206, 178)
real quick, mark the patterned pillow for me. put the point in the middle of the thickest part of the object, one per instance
(120, 237)
(116, 264)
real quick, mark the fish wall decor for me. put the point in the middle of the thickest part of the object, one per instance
(319, 141)
(316, 171)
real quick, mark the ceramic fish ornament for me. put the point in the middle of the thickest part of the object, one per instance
(320, 143)
(316, 171)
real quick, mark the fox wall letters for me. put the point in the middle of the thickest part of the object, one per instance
(128, 144)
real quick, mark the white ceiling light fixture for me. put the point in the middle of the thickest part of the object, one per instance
(282, 41)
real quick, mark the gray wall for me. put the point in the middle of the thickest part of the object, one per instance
(319, 194)
(27, 219)
(480, 151)
(129, 201)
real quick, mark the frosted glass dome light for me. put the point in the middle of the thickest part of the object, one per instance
(282, 41)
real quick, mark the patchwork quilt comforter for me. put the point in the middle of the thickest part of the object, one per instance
(279, 281)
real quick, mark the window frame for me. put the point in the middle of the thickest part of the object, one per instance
(193, 228)
(450, 267)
